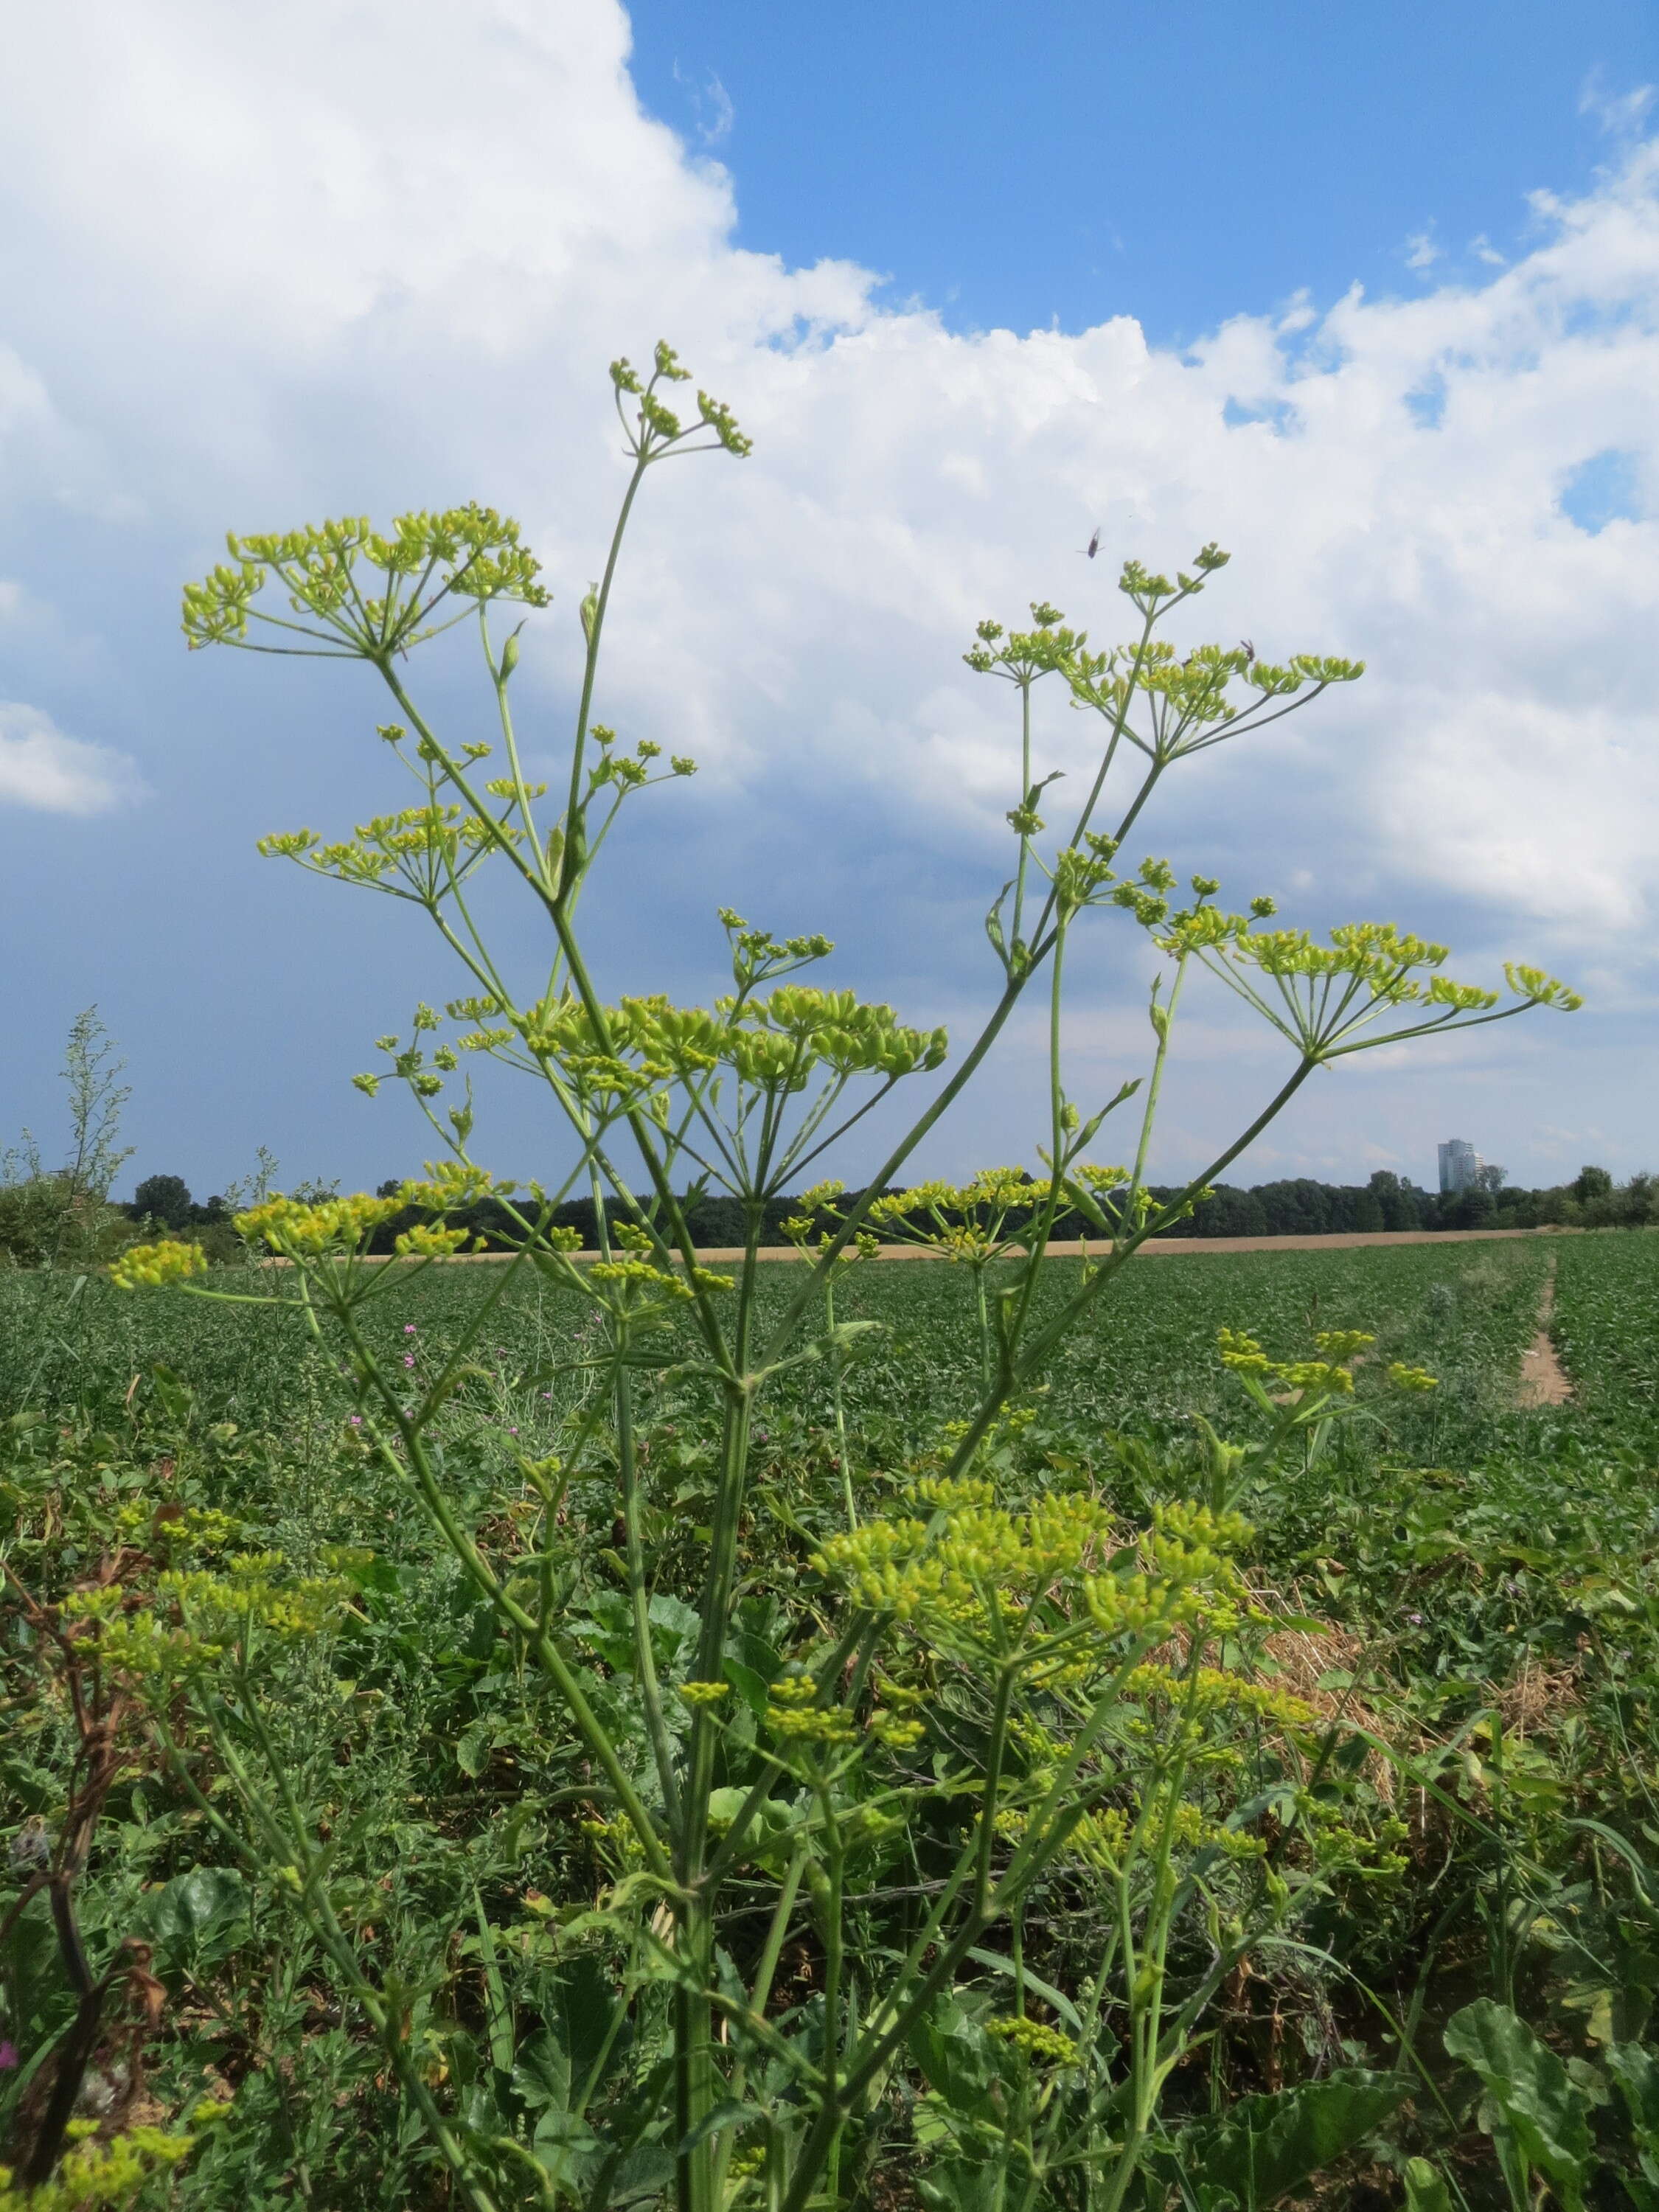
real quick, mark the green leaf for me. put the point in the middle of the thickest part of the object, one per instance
(766, 1845)
(200, 1915)
(1425, 2191)
(1529, 2087)
(956, 2185)
(567, 2149)
(953, 2051)
(1268, 2145)
(1636, 2072)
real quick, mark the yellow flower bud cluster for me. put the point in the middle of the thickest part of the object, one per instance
(1098, 1838)
(178, 1529)
(617, 1841)
(1044, 2045)
(639, 1275)
(469, 551)
(1412, 1378)
(988, 1575)
(198, 1615)
(1330, 1375)
(965, 1222)
(447, 1185)
(898, 1731)
(1215, 1690)
(1321, 996)
(91, 2175)
(948, 1493)
(794, 1716)
(301, 1232)
(425, 1242)
(147, 1267)
(1325, 1377)
(703, 1694)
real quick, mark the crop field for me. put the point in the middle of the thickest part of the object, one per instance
(1143, 1360)
(356, 1816)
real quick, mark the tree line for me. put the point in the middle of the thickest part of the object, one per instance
(67, 1215)
(1294, 1206)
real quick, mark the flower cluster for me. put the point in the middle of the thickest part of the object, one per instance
(795, 1716)
(1023, 657)
(92, 2174)
(1311, 1383)
(300, 1230)
(704, 1694)
(200, 1615)
(983, 1579)
(655, 426)
(147, 1267)
(1044, 2045)
(360, 593)
(1324, 998)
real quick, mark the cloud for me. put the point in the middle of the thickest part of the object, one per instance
(1621, 114)
(711, 103)
(1421, 251)
(42, 769)
(444, 222)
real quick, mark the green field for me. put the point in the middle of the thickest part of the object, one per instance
(1145, 1359)
(1464, 1590)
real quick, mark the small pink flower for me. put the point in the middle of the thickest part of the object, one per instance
(513, 1433)
(356, 1420)
(409, 1360)
(409, 1328)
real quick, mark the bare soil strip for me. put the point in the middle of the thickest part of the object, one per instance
(726, 1255)
(1543, 1379)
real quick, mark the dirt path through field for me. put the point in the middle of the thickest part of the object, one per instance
(1543, 1378)
(725, 1255)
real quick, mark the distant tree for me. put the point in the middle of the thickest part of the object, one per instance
(1396, 1200)
(166, 1199)
(1592, 1182)
(1230, 1212)
(1491, 1179)
(62, 1216)
(1473, 1208)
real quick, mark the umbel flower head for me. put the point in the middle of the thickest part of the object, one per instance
(355, 593)
(1061, 1577)
(1327, 1000)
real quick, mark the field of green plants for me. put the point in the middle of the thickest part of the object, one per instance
(1458, 1816)
(1023, 1734)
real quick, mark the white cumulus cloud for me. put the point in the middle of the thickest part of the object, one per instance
(42, 769)
(385, 259)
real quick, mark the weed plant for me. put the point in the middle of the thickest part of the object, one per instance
(656, 1733)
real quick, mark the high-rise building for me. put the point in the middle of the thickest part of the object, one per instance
(1459, 1164)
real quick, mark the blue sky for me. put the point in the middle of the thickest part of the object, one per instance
(1372, 295)
(1181, 165)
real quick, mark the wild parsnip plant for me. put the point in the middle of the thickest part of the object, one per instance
(981, 1706)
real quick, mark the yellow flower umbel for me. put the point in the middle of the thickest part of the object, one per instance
(147, 1267)
(93, 2174)
(1057, 1587)
(1298, 1388)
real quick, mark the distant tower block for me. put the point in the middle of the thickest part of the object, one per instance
(1460, 1164)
